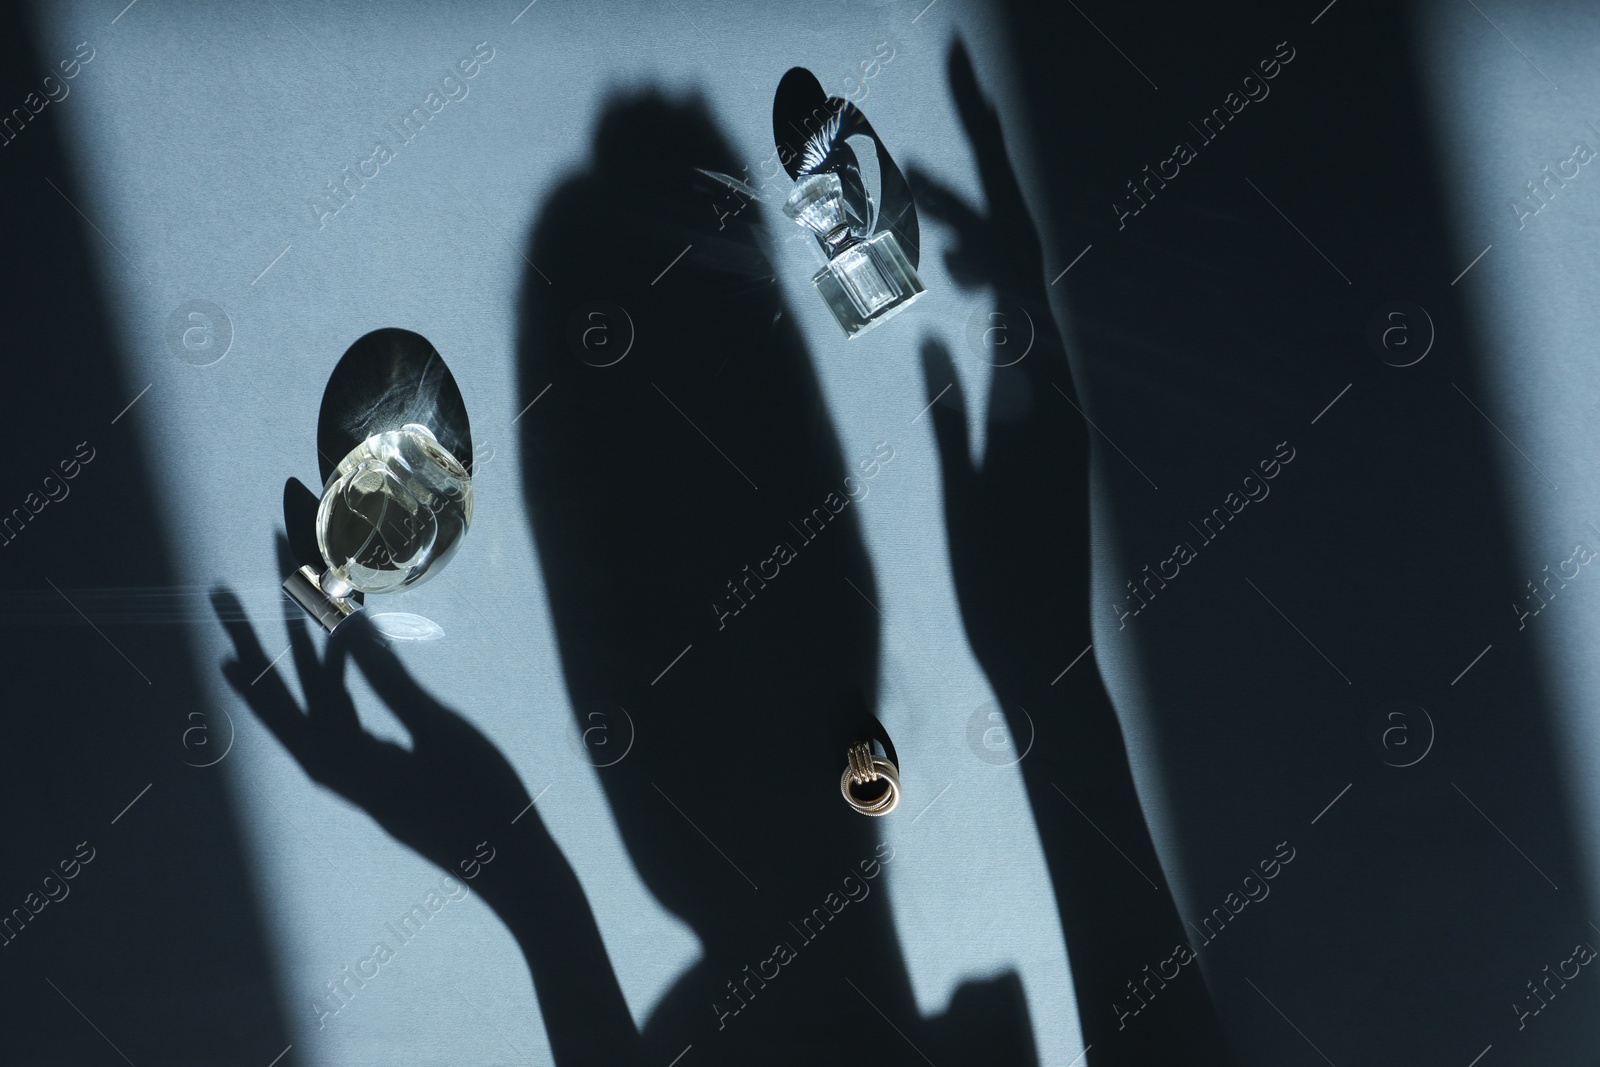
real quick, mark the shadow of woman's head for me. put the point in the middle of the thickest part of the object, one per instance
(649, 137)
(690, 507)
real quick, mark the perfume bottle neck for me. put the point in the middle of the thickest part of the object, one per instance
(838, 239)
(336, 583)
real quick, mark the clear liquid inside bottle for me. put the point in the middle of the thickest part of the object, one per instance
(393, 512)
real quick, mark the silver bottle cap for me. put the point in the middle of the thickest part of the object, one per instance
(305, 589)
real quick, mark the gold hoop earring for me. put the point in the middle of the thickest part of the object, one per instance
(864, 768)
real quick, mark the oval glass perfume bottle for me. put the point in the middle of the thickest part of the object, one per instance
(392, 514)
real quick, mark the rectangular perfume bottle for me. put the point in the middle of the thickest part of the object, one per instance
(868, 282)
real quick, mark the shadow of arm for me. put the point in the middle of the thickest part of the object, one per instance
(453, 793)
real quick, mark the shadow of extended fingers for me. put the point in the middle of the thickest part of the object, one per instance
(322, 678)
(998, 246)
(966, 259)
(251, 676)
(981, 121)
(325, 737)
(443, 741)
(325, 675)
(388, 676)
(438, 797)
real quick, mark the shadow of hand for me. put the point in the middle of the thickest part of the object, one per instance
(1017, 522)
(1000, 249)
(1018, 533)
(440, 798)
(451, 792)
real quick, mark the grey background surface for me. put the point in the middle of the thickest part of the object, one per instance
(200, 170)
(197, 135)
